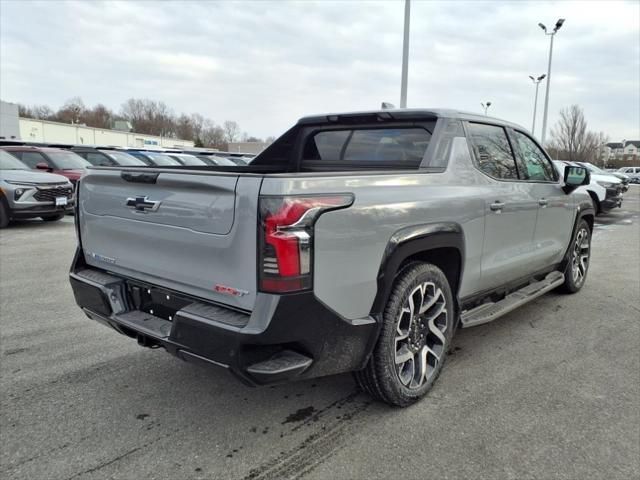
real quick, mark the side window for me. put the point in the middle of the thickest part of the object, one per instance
(402, 147)
(535, 165)
(31, 159)
(493, 151)
(97, 159)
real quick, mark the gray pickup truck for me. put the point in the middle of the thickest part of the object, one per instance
(355, 242)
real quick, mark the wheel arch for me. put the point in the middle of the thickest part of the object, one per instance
(441, 244)
(596, 200)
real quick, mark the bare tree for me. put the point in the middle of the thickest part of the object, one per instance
(571, 140)
(213, 136)
(72, 111)
(231, 131)
(99, 117)
(146, 116)
(40, 112)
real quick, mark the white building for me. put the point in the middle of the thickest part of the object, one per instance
(43, 131)
(13, 127)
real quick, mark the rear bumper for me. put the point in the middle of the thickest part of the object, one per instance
(284, 338)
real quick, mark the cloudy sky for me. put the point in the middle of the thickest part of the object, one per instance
(264, 64)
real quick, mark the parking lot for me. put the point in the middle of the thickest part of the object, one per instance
(551, 390)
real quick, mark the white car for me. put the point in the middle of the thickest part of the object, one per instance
(605, 190)
(632, 172)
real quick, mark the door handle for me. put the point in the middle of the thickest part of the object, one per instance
(543, 202)
(497, 206)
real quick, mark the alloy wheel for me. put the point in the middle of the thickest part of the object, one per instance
(580, 259)
(420, 341)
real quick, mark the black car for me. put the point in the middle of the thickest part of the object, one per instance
(103, 157)
(154, 159)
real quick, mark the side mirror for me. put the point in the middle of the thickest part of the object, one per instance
(43, 166)
(575, 177)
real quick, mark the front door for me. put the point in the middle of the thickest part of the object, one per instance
(510, 209)
(555, 208)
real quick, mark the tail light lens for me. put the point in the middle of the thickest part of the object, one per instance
(286, 239)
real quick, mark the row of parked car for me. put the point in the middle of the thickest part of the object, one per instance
(39, 180)
(605, 188)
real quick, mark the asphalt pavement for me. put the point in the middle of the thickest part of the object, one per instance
(551, 390)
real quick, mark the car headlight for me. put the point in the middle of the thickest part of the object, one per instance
(606, 184)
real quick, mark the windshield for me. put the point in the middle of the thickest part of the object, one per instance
(67, 160)
(9, 162)
(187, 159)
(161, 159)
(122, 158)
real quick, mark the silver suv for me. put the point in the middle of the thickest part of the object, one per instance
(355, 242)
(29, 194)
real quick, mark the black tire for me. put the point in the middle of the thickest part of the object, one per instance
(580, 246)
(4, 214)
(52, 218)
(382, 376)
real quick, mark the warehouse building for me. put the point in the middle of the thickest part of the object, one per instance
(13, 127)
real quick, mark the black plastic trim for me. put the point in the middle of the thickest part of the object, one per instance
(410, 241)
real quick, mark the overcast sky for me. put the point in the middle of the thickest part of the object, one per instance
(265, 64)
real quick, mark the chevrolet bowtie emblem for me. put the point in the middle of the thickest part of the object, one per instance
(143, 204)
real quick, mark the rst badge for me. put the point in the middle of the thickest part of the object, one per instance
(143, 204)
(236, 292)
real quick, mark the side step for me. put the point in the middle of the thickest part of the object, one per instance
(490, 311)
(281, 366)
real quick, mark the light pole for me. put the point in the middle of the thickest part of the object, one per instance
(405, 55)
(535, 102)
(546, 97)
(486, 107)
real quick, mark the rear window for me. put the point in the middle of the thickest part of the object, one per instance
(399, 147)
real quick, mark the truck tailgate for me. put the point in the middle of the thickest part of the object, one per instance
(187, 231)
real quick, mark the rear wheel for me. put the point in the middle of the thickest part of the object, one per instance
(579, 255)
(53, 218)
(416, 333)
(4, 214)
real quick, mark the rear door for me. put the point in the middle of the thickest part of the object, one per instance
(183, 230)
(554, 222)
(510, 208)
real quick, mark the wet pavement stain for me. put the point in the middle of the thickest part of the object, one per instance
(300, 415)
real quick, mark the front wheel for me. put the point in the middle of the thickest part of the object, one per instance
(575, 273)
(416, 333)
(4, 214)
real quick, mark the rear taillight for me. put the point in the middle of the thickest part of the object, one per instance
(286, 239)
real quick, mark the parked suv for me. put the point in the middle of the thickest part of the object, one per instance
(52, 160)
(355, 242)
(632, 172)
(154, 159)
(28, 194)
(104, 157)
(624, 179)
(604, 189)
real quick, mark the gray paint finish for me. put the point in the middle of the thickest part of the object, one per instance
(205, 233)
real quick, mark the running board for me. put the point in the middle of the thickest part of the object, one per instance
(487, 312)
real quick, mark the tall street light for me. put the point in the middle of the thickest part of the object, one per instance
(535, 102)
(486, 107)
(546, 97)
(405, 55)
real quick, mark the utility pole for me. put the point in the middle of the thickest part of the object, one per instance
(486, 107)
(405, 55)
(535, 102)
(546, 97)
